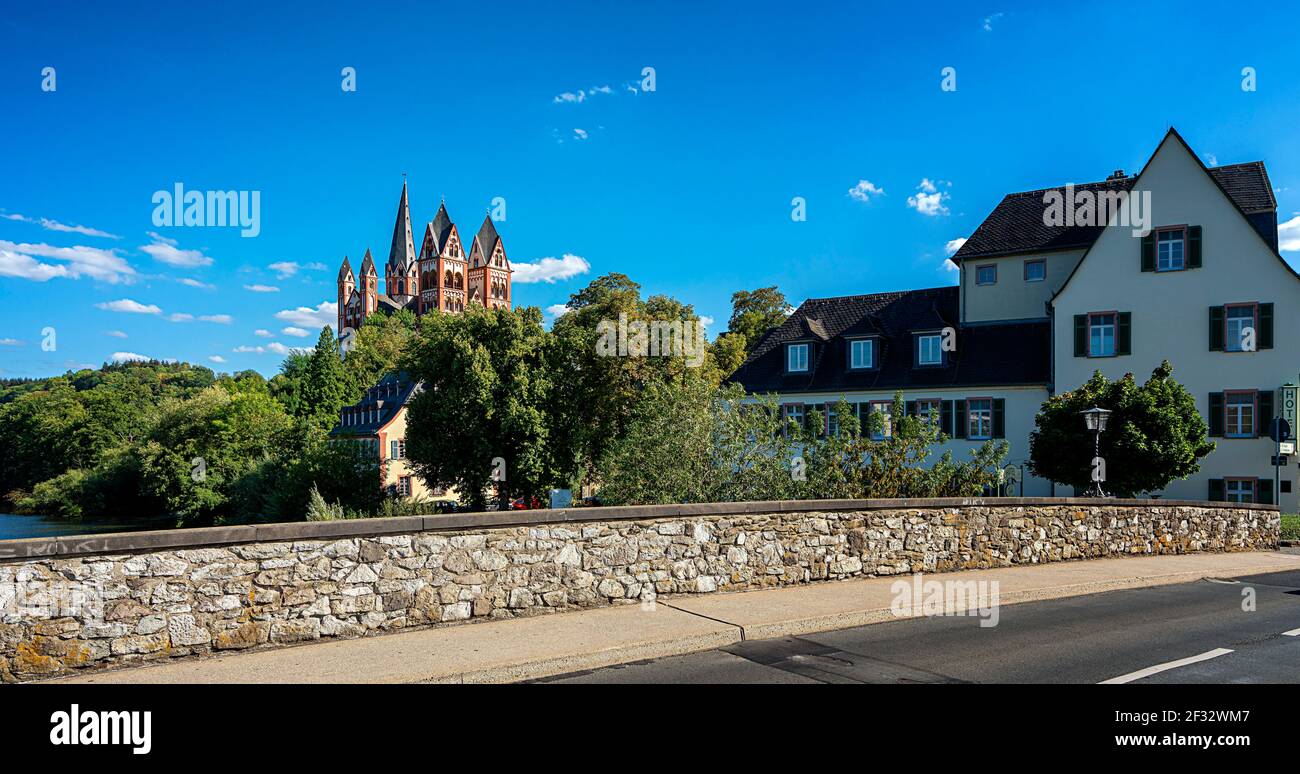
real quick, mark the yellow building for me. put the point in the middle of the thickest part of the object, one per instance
(378, 423)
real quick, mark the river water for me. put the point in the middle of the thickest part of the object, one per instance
(12, 526)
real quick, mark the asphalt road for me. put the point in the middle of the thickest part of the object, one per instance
(1140, 635)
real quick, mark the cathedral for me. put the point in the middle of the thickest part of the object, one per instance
(441, 277)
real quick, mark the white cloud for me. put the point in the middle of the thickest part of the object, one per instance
(196, 283)
(954, 245)
(1211, 160)
(216, 358)
(864, 190)
(264, 333)
(988, 20)
(556, 310)
(568, 96)
(19, 260)
(129, 307)
(155, 236)
(950, 267)
(549, 269)
(10, 343)
(580, 134)
(292, 331)
(262, 288)
(325, 313)
(180, 317)
(221, 319)
(122, 357)
(165, 250)
(706, 320)
(286, 269)
(53, 225)
(930, 200)
(281, 349)
(116, 334)
(245, 348)
(1288, 234)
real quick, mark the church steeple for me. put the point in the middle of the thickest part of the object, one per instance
(346, 283)
(402, 252)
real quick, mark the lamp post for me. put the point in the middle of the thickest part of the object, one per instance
(1095, 420)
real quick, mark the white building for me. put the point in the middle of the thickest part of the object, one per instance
(1042, 305)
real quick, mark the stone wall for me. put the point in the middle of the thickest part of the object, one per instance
(75, 603)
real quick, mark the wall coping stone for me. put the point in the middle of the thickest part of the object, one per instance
(69, 546)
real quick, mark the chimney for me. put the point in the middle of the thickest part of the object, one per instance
(1117, 175)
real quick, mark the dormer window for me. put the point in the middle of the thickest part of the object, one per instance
(862, 354)
(929, 349)
(796, 358)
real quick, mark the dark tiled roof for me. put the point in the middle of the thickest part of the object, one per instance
(1016, 224)
(1001, 354)
(440, 227)
(387, 398)
(402, 252)
(486, 239)
(387, 304)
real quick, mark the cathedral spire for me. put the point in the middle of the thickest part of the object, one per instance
(402, 253)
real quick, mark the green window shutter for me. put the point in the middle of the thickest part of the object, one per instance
(1216, 490)
(945, 417)
(1216, 415)
(1216, 329)
(1264, 491)
(1193, 247)
(1149, 252)
(1264, 336)
(999, 418)
(959, 418)
(1081, 335)
(1125, 338)
(1264, 414)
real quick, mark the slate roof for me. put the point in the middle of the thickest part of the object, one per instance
(387, 397)
(345, 271)
(1016, 224)
(486, 239)
(440, 227)
(402, 253)
(997, 354)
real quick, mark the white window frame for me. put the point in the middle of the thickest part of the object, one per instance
(1103, 328)
(1232, 338)
(979, 421)
(1245, 490)
(1237, 421)
(921, 347)
(870, 346)
(1035, 262)
(979, 270)
(790, 350)
(885, 407)
(1167, 257)
(929, 410)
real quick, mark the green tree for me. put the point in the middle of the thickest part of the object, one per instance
(326, 386)
(755, 312)
(1154, 436)
(487, 385)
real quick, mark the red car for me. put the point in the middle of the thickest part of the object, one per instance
(530, 504)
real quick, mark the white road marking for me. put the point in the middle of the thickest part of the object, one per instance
(1292, 633)
(1158, 668)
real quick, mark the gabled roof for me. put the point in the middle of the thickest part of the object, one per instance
(387, 398)
(1016, 225)
(440, 227)
(345, 271)
(402, 253)
(485, 241)
(1001, 354)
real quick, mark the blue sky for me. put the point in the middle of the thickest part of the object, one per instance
(687, 189)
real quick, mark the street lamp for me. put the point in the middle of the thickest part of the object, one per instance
(1095, 419)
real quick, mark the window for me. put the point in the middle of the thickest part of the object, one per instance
(1239, 415)
(1237, 319)
(397, 449)
(796, 358)
(1035, 270)
(1101, 335)
(1239, 490)
(793, 414)
(986, 275)
(881, 407)
(929, 349)
(862, 353)
(1169, 249)
(404, 486)
(832, 420)
(979, 419)
(928, 411)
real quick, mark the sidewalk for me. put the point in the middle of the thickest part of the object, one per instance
(504, 651)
